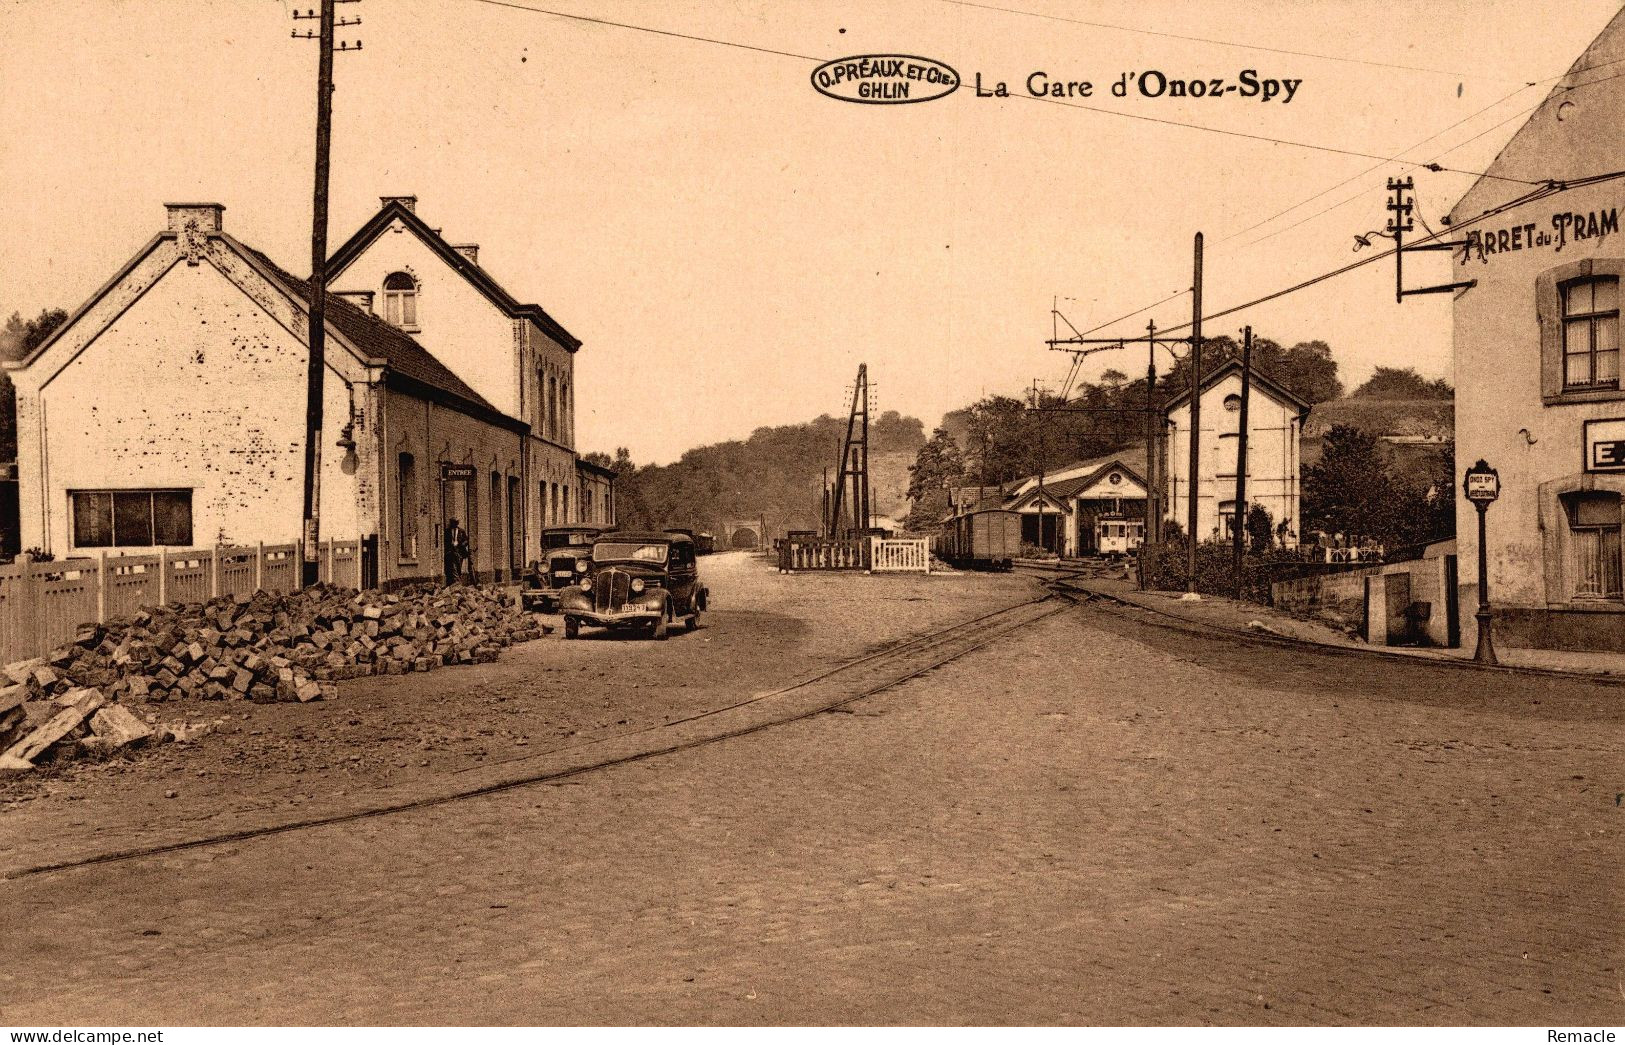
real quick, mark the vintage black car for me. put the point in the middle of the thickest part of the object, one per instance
(566, 553)
(646, 581)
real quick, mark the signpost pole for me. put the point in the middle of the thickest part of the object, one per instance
(1482, 485)
(1485, 654)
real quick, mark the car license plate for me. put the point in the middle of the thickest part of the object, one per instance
(561, 573)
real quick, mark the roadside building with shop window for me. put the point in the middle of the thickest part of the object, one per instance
(168, 411)
(1537, 369)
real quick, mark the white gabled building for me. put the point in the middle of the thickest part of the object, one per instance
(1274, 421)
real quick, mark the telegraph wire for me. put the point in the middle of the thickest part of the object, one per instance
(1053, 101)
(1434, 167)
(1377, 167)
(647, 29)
(1544, 187)
(1350, 199)
(1232, 43)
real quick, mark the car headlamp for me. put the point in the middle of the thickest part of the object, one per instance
(586, 585)
(581, 565)
(637, 584)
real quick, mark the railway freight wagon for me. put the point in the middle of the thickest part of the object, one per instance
(989, 539)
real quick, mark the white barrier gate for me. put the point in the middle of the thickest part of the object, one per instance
(899, 555)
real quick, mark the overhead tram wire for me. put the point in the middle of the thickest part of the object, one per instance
(1546, 191)
(1375, 167)
(1362, 195)
(1350, 199)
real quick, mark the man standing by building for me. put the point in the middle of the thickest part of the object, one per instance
(456, 551)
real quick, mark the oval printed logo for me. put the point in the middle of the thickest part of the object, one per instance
(885, 79)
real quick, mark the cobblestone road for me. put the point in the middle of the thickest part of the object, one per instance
(1095, 822)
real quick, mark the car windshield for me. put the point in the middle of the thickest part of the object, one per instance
(566, 540)
(619, 551)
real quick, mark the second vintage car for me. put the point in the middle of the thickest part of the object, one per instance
(566, 553)
(637, 580)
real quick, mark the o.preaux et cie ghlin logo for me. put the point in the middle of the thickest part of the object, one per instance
(885, 79)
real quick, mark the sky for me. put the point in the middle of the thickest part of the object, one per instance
(728, 243)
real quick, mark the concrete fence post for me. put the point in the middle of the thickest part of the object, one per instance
(163, 576)
(33, 612)
(214, 571)
(101, 586)
(259, 566)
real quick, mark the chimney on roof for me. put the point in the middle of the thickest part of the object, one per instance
(361, 299)
(471, 251)
(209, 216)
(409, 202)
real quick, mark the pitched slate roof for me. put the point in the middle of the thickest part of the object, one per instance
(482, 281)
(411, 367)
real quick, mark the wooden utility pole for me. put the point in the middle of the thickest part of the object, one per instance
(1238, 548)
(317, 333)
(1192, 480)
(1153, 513)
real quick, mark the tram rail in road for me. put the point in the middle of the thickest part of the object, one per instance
(829, 690)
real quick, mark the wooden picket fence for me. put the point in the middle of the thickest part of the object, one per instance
(899, 555)
(870, 554)
(42, 604)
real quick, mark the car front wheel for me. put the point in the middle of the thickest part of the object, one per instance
(572, 628)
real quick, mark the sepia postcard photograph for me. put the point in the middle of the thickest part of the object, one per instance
(806, 514)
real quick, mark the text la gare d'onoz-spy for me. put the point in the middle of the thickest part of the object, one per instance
(1152, 83)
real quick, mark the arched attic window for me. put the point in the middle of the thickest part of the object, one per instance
(401, 300)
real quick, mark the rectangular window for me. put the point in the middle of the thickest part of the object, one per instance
(407, 478)
(552, 431)
(567, 505)
(131, 518)
(555, 503)
(1593, 566)
(1591, 333)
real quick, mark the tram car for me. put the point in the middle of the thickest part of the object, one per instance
(988, 540)
(1116, 535)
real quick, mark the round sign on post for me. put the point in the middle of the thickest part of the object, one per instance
(1482, 485)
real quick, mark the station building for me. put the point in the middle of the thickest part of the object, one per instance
(169, 411)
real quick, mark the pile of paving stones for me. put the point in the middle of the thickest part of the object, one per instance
(260, 647)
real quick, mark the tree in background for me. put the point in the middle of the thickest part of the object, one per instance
(1402, 383)
(1349, 491)
(1307, 369)
(938, 466)
(776, 473)
(18, 338)
(1260, 529)
(1355, 490)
